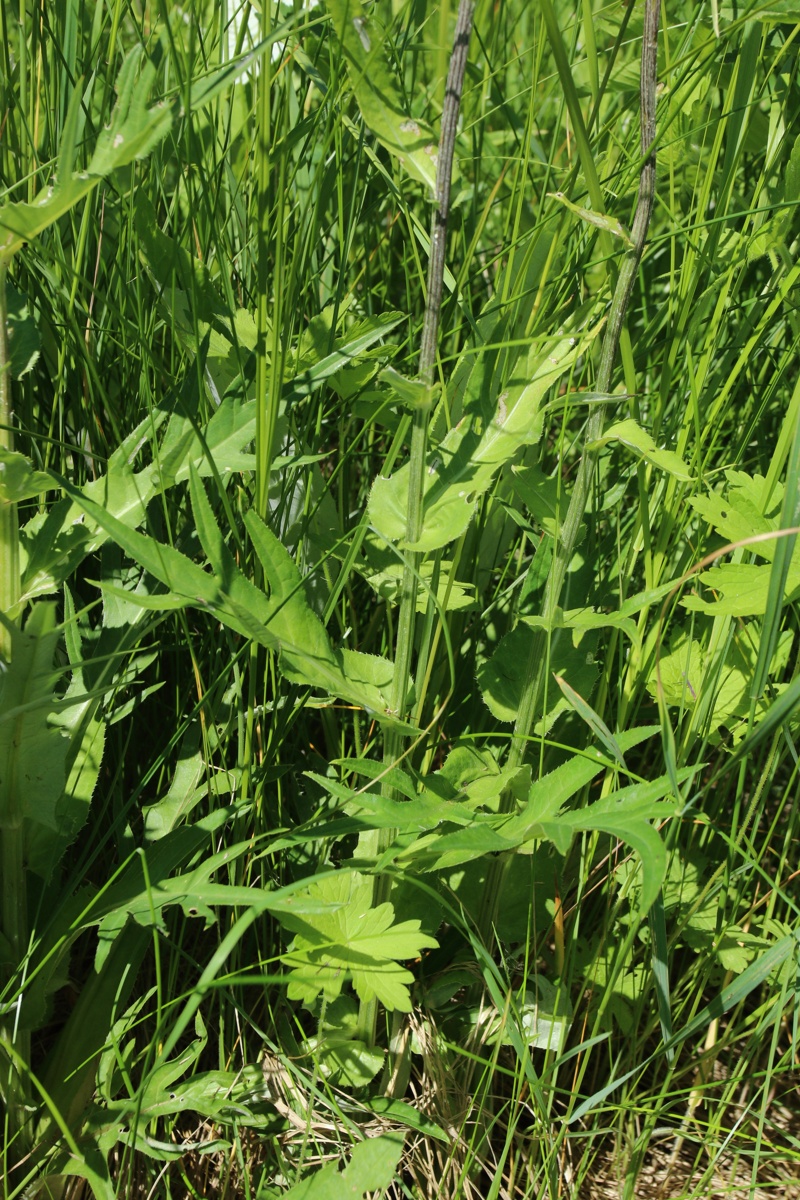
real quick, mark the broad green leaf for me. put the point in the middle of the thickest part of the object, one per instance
(383, 571)
(132, 133)
(746, 509)
(692, 676)
(740, 589)
(412, 393)
(85, 734)
(337, 1049)
(544, 1017)
(19, 480)
(23, 336)
(548, 795)
(547, 499)
(741, 511)
(373, 1162)
(324, 1184)
(502, 677)
(33, 752)
(464, 464)
(351, 939)
(630, 434)
(405, 1114)
(363, 42)
(582, 620)
(183, 795)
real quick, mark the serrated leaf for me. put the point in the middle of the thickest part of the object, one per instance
(19, 480)
(54, 543)
(354, 939)
(132, 133)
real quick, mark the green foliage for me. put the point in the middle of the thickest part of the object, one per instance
(502, 404)
(372, 1165)
(220, 843)
(364, 45)
(352, 940)
(132, 133)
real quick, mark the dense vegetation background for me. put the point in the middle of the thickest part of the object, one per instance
(294, 900)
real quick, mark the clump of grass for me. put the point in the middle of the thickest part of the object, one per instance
(216, 430)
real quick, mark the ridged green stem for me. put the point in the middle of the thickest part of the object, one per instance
(393, 746)
(13, 1085)
(536, 665)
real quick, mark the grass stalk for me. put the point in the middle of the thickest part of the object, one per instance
(13, 1084)
(536, 664)
(404, 645)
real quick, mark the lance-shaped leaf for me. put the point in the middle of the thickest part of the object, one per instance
(640, 442)
(132, 133)
(375, 87)
(55, 542)
(283, 621)
(464, 464)
(84, 738)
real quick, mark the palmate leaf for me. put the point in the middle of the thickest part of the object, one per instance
(746, 509)
(352, 940)
(692, 675)
(495, 426)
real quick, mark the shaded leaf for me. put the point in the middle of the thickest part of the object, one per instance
(465, 462)
(412, 142)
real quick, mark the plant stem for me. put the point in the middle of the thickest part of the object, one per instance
(377, 841)
(536, 665)
(13, 1085)
(9, 523)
